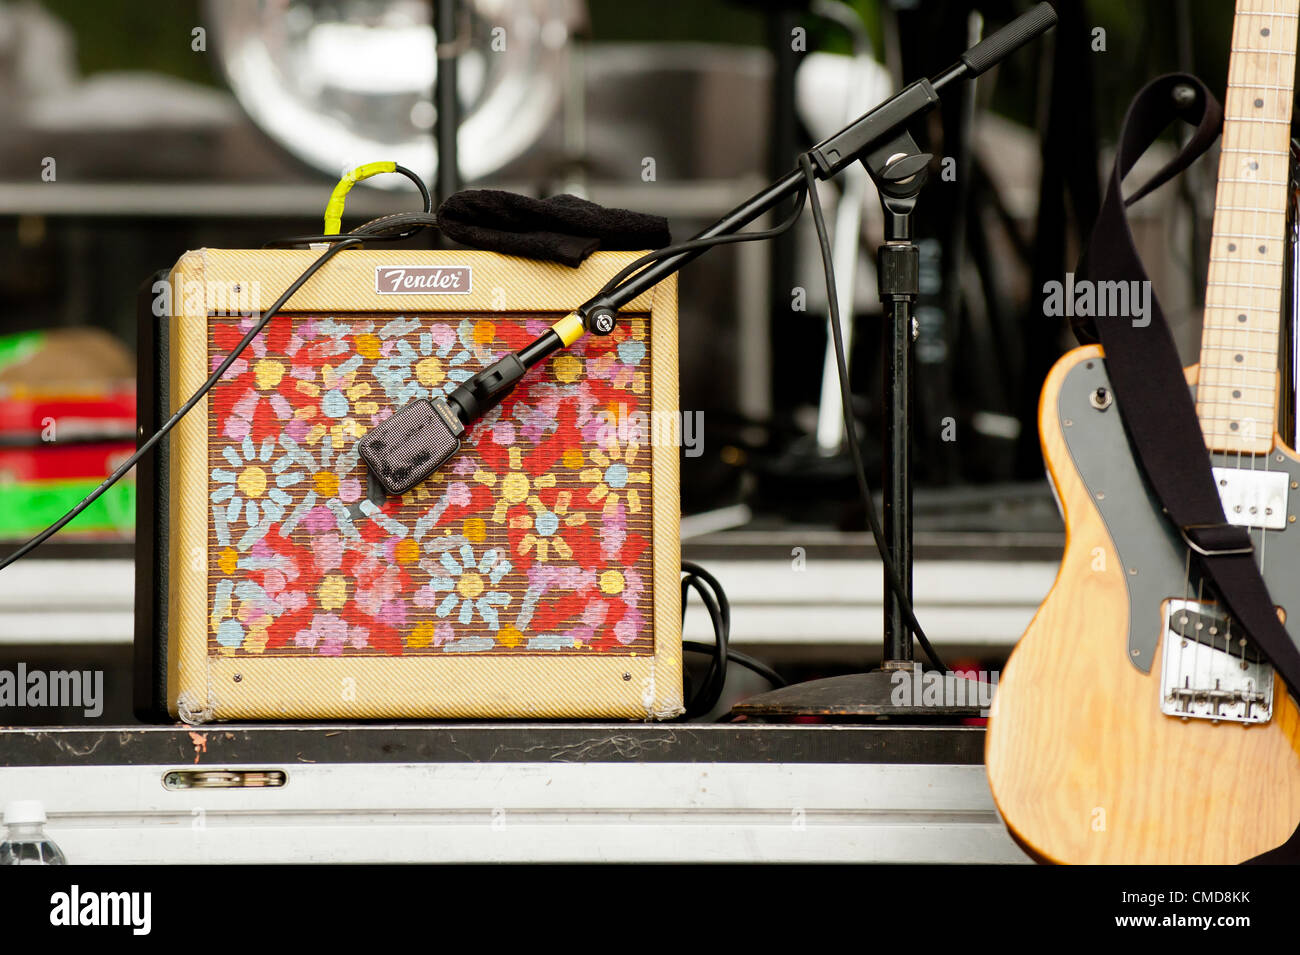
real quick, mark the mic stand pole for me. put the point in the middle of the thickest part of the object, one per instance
(898, 276)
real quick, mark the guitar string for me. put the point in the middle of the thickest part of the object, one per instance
(1229, 197)
(1282, 59)
(1248, 431)
(1261, 145)
(1285, 58)
(1286, 72)
(1268, 133)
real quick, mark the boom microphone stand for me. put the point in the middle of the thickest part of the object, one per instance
(881, 140)
(424, 435)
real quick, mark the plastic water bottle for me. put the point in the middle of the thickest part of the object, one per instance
(26, 842)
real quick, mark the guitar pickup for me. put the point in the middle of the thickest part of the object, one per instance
(1254, 498)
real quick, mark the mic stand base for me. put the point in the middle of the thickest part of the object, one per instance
(895, 694)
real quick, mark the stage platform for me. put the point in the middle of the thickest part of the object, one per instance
(567, 792)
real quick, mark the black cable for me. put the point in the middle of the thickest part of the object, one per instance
(850, 430)
(372, 229)
(740, 659)
(716, 604)
(715, 678)
(171, 422)
(410, 222)
(690, 245)
(419, 184)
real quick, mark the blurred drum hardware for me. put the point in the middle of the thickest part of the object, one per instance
(1143, 717)
(536, 576)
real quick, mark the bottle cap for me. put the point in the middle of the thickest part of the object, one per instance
(24, 812)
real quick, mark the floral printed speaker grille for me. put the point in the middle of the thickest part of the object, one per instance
(534, 539)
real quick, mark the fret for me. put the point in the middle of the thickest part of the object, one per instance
(1229, 306)
(1230, 298)
(1242, 235)
(1243, 350)
(1248, 421)
(1235, 372)
(1255, 312)
(1254, 285)
(1244, 386)
(1255, 209)
(1241, 403)
(1242, 327)
(1257, 264)
(1260, 380)
(1239, 394)
(1239, 389)
(1238, 183)
(1221, 343)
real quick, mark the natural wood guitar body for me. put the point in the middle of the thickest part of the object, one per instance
(1083, 765)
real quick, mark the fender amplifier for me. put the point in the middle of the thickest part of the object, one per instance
(535, 575)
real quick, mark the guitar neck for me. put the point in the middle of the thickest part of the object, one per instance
(1237, 384)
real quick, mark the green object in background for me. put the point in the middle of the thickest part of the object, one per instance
(16, 347)
(31, 506)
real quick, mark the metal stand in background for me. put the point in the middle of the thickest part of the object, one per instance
(446, 31)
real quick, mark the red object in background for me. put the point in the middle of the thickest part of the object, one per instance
(35, 418)
(970, 669)
(54, 462)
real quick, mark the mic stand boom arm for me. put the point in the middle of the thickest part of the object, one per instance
(871, 139)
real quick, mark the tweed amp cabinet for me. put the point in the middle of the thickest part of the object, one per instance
(536, 575)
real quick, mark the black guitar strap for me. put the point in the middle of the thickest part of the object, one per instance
(1152, 394)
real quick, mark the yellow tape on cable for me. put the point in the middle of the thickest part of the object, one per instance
(334, 209)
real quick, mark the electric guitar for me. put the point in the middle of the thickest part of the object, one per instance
(1134, 722)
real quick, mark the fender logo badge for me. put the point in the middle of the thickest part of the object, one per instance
(423, 279)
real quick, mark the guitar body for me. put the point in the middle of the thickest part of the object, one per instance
(1084, 764)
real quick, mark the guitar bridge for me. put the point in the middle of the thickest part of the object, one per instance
(1210, 673)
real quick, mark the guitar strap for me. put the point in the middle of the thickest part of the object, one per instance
(1151, 391)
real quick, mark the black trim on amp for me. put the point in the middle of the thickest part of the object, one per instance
(152, 565)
